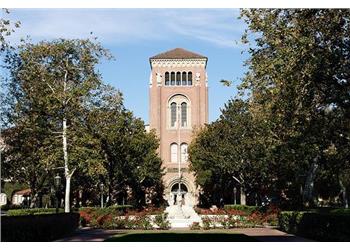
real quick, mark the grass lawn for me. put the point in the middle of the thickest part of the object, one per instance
(179, 236)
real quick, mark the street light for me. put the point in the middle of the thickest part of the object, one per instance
(101, 188)
(234, 195)
(57, 181)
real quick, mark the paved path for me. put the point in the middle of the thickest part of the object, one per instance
(261, 234)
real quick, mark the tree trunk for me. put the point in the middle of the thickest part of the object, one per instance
(344, 194)
(66, 169)
(67, 195)
(308, 193)
(242, 197)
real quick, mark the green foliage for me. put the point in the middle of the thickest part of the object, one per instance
(288, 129)
(45, 227)
(297, 85)
(244, 208)
(6, 29)
(317, 226)
(32, 211)
(206, 222)
(230, 153)
(56, 81)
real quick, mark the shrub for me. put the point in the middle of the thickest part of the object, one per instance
(161, 221)
(32, 211)
(243, 208)
(225, 222)
(206, 221)
(85, 218)
(254, 219)
(9, 206)
(195, 226)
(142, 222)
(44, 227)
(317, 226)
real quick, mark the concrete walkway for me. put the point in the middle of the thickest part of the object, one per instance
(261, 234)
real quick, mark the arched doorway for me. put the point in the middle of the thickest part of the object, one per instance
(175, 192)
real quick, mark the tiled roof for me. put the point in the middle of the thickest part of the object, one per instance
(178, 53)
(24, 192)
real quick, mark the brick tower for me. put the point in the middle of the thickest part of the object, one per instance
(178, 103)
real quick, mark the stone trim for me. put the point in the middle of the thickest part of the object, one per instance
(173, 63)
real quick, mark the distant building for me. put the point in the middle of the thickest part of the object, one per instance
(3, 199)
(178, 103)
(19, 196)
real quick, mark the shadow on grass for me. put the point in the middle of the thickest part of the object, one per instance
(181, 237)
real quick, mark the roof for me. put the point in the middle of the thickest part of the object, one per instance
(24, 192)
(178, 53)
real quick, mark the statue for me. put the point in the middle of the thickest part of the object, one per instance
(159, 78)
(198, 76)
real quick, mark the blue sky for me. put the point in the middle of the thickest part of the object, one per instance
(134, 35)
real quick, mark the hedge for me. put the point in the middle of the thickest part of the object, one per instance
(32, 211)
(106, 210)
(44, 227)
(316, 226)
(244, 208)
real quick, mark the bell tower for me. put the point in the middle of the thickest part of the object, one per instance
(178, 97)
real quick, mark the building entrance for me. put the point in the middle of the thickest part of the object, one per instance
(175, 193)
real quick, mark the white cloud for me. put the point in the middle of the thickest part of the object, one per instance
(217, 26)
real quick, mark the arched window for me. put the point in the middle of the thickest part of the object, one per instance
(173, 114)
(173, 152)
(178, 78)
(167, 81)
(184, 114)
(184, 153)
(189, 78)
(184, 78)
(178, 112)
(172, 78)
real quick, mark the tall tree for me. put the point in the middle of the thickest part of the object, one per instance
(50, 85)
(130, 154)
(298, 77)
(231, 152)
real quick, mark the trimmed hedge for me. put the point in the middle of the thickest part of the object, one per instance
(44, 227)
(316, 226)
(244, 208)
(33, 211)
(9, 206)
(106, 210)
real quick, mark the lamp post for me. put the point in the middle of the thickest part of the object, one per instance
(101, 189)
(57, 186)
(179, 154)
(234, 195)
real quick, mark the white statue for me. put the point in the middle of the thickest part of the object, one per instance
(159, 78)
(198, 76)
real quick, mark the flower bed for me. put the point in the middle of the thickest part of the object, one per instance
(238, 216)
(111, 218)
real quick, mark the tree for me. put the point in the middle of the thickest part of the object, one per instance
(129, 153)
(6, 29)
(231, 152)
(298, 78)
(50, 84)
